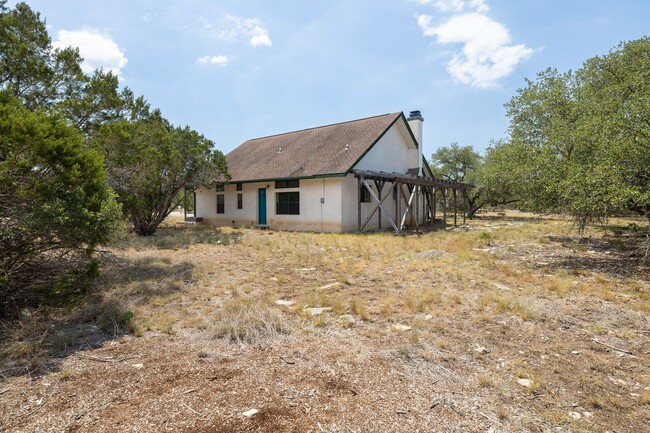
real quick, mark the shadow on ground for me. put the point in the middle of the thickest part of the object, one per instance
(622, 256)
(41, 338)
(177, 237)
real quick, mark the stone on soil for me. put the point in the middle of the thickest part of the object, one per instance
(314, 311)
(525, 382)
(284, 303)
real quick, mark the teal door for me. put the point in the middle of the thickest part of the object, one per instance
(261, 210)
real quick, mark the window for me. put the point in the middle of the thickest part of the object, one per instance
(220, 187)
(239, 186)
(279, 184)
(221, 203)
(365, 194)
(240, 201)
(287, 203)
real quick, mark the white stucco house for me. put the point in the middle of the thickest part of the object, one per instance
(304, 180)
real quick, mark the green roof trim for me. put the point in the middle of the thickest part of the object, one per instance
(273, 179)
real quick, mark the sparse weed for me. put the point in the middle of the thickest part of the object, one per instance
(387, 305)
(559, 284)
(64, 374)
(502, 413)
(604, 402)
(359, 309)
(419, 300)
(503, 304)
(486, 238)
(645, 396)
(455, 299)
(535, 380)
(404, 352)
(485, 381)
(164, 323)
(414, 336)
(246, 321)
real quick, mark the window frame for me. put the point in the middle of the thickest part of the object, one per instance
(240, 201)
(289, 183)
(365, 194)
(287, 203)
(221, 204)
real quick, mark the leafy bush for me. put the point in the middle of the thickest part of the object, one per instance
(55, 206)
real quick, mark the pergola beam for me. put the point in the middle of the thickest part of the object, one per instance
(415, 185)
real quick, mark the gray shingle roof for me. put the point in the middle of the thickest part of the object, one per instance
(324, 150)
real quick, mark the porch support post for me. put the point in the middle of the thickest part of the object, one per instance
(464, 208)
(444, 205)
(455, 208)
(359, 180)
(380, 186)
(398, 206)
(379, 207)
(435, 199)
(416, 211)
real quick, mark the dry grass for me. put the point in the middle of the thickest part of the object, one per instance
(526, 289)
(248, 322)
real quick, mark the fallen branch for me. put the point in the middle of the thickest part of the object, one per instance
(109, 359)
(198, 413)
(613, 347)
(488, 417)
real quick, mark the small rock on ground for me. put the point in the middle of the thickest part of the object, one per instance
(314, 311)
(284, 303)
(400, 328)
(525, 382)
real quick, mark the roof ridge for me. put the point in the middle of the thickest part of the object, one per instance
(323, 126)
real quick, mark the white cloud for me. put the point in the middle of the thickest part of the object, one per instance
(486, 55)
(235, 28)
(97, 49)
(216, 60)
(461, 5)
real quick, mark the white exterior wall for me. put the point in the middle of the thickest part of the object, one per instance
(311, 191)
(394, 152)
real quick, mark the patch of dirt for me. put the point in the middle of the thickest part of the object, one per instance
(492, 346)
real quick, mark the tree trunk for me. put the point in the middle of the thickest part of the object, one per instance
(473, 209)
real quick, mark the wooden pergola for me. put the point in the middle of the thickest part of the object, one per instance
(408, 189)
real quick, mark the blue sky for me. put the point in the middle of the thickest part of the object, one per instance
(238, 69)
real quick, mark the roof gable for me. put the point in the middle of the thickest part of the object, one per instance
(321, 151)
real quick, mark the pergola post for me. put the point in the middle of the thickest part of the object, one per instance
(464, 208)
(435, 199)
(444, 205)
(416, 212)
(455, 208)
(359, 180)
(380, 185)
(398, 207)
